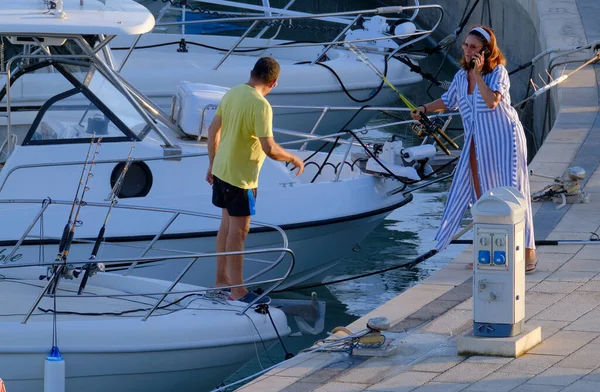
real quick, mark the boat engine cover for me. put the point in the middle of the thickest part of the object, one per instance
(195, 105)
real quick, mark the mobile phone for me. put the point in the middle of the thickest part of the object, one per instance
(485, 51)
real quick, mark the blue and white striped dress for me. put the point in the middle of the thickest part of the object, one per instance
(500, 148)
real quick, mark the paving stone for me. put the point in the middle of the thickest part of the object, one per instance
(571, 235)
(459, 293)
(589, 322)
(437, 364)
(548, 266)
(374, 370)
(301, 386)
(570, 276)
(341, 387)
(555, 257)
(441, 387)
(535, 301)
(403, 382)
(271, 383)
(593, 376)
(451, 323)
(571, 135)
(403, 305)
(571, 307)
(554, 287)
(589, 252)
(303, 369)
(563, 343)
(536, 388)
(499, 382)
(549, 327)
(323, 376)
(469, 371)
(537, 276)
(583, 386)
(558, 249)
(578, 222)
(592, 285)
(531, 364)
(558, 376)
(296, 361)
(450, 276)
(465, 305)
(579, 265)
(587, 357)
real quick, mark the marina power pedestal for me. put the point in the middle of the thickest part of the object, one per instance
(499, 265)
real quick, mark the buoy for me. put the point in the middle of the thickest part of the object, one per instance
(54, 372)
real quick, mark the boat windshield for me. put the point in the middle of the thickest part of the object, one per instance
(79, 102)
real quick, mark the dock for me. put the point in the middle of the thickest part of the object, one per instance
(563, 295)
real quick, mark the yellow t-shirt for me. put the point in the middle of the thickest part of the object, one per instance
(246, 116)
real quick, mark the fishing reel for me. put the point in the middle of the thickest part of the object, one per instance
(435, 127)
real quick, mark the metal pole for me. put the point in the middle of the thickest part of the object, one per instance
(151, 244)
(326, 49)
(252, 26)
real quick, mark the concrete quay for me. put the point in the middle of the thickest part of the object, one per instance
(563, 295)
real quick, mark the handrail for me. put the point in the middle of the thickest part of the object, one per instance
(143, 258)
(164, 294)
(98, 162)
(144, 208)
(286, 14)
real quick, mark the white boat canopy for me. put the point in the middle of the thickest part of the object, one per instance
(94, 17)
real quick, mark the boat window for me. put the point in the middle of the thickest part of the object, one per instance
(71, 117)
(91, 106)
(108, 94)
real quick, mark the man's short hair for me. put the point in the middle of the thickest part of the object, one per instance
(266, 70)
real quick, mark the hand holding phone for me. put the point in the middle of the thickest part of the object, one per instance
(484, 51)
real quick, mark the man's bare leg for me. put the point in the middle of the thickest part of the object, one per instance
(222, 270)
(238, 230)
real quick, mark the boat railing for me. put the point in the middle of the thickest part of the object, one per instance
(11, 170)
(276, 17)
(302, 139)
(173, 215)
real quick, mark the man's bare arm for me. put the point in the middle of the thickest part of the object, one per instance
(278, 153)
(214, 137)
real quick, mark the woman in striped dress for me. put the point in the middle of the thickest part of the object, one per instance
(495, 150)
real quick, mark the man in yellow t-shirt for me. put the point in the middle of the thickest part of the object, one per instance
(239, 138)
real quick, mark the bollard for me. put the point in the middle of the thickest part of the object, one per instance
(499, 265)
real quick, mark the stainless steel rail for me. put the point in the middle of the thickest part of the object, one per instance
(251, 281)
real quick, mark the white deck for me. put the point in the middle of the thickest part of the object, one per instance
(94, 17)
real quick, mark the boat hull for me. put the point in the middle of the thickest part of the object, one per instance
(178, 370)
(317, 247)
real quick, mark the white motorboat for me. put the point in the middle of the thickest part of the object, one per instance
(118, 336)
(325, 212)
(322, 73)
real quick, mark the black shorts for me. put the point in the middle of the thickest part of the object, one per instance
(238, 201)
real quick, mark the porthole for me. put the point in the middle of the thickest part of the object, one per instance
(137, 181)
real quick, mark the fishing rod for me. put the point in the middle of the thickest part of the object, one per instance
(67, 228)
(431, 127)
(62, 256)
(91, 268)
